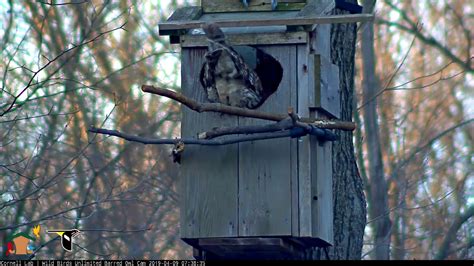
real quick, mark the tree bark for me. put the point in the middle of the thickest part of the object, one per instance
(349, 200)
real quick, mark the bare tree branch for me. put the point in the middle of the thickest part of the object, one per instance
(295, 132)
(53, 60)
(49, 113)
(408, 159)
(381, 91)
(427, 39)
(450, 235)
(322, 134)
(439, 71)
(50, 3)
(225, 109)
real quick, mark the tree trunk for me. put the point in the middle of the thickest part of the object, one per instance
(378, 206)
(349, 200)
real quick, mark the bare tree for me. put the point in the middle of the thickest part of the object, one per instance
(423, 57)
(377, 187)
(65, 67)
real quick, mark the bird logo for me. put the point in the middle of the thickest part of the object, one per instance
(66, 237)
(36, 231)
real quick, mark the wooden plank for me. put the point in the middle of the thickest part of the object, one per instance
(321, 175)
(187, 13)
(304, 171)
(295, 226)
(317, 7)
(321, 42)
(316, 81)
(249, 39)
(252, 247)
(325, 85)
(333, 94)
(211, 6)
(241, 16)
(265, 166)
(208, 174)
(320, 154)
(196, 24)
(233, 244)
(308, 76)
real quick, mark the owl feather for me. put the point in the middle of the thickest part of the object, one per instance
(225, 76)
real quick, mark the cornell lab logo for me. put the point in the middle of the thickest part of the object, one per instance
(67, 237)
(21, 244)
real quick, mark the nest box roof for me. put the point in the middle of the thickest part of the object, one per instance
(235, 19)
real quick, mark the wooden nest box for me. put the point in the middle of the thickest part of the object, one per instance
(268, 198)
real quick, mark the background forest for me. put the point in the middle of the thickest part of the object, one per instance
(65, 67)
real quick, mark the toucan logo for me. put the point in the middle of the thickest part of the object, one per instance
(66, 237)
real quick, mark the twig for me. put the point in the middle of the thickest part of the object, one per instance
(31, 256)
(380, 92)
(231, 110)
(425, 38)
(62, 4)
(49, 114)
(32, 78)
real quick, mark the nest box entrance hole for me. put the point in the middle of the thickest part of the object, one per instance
(268, 69)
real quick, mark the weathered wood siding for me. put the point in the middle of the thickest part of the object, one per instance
(322, 201)
(280, 187)
(210, 6)
(324, 80)
(314, 158)
(304, 171)
(248, 39)
(266, 167)
(208, 174)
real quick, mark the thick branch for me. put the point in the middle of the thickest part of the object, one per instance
(222, 131)
(231, 110)
(286, 124)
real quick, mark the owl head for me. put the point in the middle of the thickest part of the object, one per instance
(213, 32)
